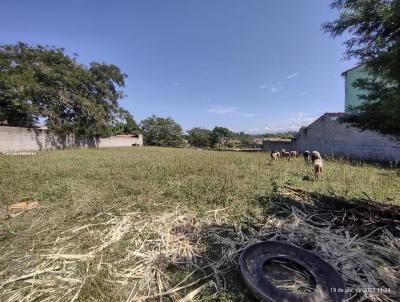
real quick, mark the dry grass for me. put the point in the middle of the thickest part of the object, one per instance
(154, 224)
(130, 252)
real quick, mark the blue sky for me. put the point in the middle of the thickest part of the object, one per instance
(253, 66)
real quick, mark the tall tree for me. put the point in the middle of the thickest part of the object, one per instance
(159, 131)
(374, 26)
(220, 136)
(199, 137)
(43, 82)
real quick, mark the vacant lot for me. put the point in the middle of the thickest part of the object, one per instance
(132, 224)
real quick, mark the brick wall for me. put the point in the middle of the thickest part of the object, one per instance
(331, 137)
(31, 139)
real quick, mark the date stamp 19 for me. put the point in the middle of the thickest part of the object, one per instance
(360, 290)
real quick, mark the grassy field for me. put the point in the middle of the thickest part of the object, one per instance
(96, 205)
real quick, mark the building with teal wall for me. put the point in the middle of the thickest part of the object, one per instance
(352, 93)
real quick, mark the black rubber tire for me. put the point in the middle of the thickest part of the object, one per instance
(252, 261)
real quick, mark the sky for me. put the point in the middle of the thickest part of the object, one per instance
(254, 66)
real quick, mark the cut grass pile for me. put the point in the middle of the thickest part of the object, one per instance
(158, 224)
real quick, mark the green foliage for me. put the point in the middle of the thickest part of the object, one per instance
(43, 82)
(199, 137)
(375, 41)
(220, 136)
(127, 127)
(158, 131)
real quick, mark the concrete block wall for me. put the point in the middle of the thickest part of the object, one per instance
(15, 139)
(269, 146)
(331, 137)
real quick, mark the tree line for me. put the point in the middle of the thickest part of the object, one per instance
(159, 131)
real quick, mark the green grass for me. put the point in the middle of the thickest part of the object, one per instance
(72, 185)
(159, 178)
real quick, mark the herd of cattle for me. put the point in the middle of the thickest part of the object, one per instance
(313, 157)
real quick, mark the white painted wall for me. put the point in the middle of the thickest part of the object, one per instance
(30, 139)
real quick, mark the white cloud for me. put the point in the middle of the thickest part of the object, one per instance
(293, 123)
(273, 88)
(247, 114)
(219, 109)
(292, 75)
(278, 86)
